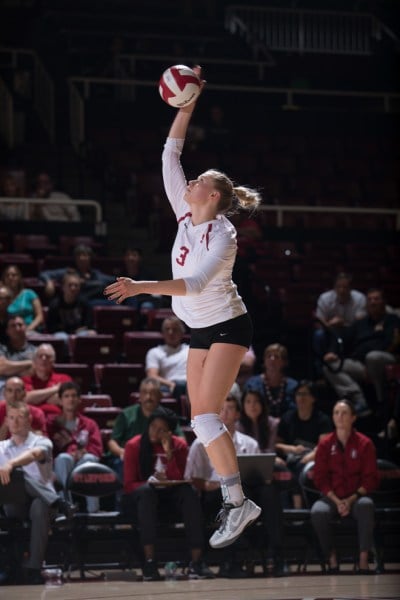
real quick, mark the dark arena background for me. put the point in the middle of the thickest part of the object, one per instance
(302, 102)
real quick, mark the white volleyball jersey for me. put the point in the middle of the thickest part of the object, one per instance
(203, 255)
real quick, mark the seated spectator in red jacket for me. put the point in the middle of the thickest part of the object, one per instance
(43, 385)
(345, 472)
(14, 392)
(76, 440)
(155, 456)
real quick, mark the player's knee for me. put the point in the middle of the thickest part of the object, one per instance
(208, 427)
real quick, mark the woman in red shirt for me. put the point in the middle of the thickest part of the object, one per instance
(345, 472)
(154, 463)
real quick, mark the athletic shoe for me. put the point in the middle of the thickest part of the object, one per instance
(234, 519)
(150, 571)
(199, 570)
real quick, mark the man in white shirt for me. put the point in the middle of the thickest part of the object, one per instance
(336, 309)
(205, 479)
(167, 362)
(26, 488)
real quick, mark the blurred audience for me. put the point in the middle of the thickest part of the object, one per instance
(11, 188)
(167, 362)
(255, 421)
(26, 488)
(93, 281)
(345, 472)
(68, 313)
(336, 309)
(152, 458)
(16, 355)
(273, 385)
(299, 432)
(370, 344)
(44, 188)
(133, 420)
(14, 392)
(43, 384)
(5, 300)
(25, 302)
(76, 440)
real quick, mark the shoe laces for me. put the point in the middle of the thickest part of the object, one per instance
(222, 515)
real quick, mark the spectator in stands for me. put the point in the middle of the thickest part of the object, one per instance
(370, 344)
(44, 383)
(167, 362)
(5, 300)
(92, 280)
(76, 440)
(68, 312)
(336, 309)
(299, 432)
(15, 356)
(345, 472)
(246, 369)
(10, 188)
(151, 458)
(133, 420)
(44, 188)
(26, 488)
(255, 421)
(133, 267)
(14, 391)
(25, 302)
(205, 479)
(274, 386)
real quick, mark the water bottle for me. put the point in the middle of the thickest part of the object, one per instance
(53, 577)
(170, 571)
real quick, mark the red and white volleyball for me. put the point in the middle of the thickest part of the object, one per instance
(179, 86)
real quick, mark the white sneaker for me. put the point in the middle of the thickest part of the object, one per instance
(234, 519)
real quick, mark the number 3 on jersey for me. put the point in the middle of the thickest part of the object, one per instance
(182, 257)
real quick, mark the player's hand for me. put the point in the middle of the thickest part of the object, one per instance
(123, 288)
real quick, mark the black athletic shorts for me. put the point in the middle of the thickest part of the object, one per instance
(235, 331)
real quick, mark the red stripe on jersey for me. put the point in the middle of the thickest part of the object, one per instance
(184, 217)
(206, 235)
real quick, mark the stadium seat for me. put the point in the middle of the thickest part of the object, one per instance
(95, 401)
(103, 415)
(100, 348)
(36, 245)
(137, 343)
(118, 380)
(115, 320)
(81, 373)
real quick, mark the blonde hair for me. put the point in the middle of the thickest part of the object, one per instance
(233, 197)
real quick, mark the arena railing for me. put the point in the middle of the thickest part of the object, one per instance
(279, 210)
(26, 203)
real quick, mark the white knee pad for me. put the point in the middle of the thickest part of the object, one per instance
(208, 428)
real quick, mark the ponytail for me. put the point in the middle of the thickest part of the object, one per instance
(248, 199)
